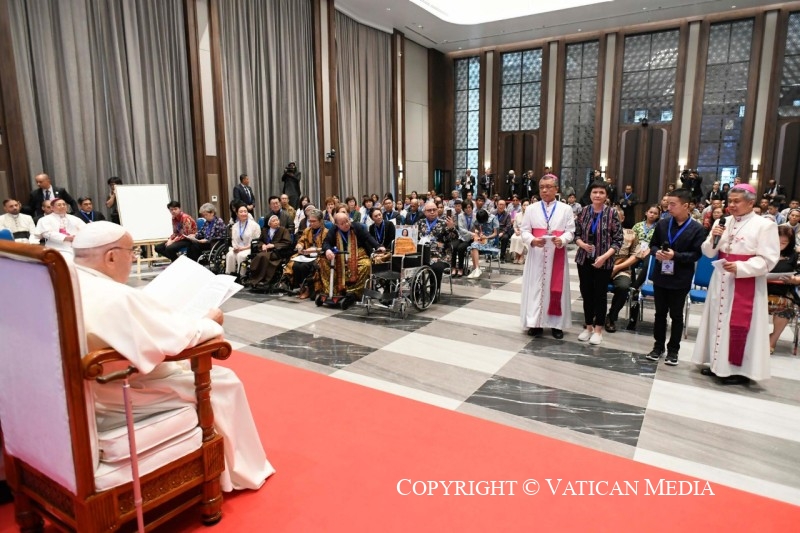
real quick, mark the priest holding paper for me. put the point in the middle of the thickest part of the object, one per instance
(733, 338)
(547, 227)
(145, 330)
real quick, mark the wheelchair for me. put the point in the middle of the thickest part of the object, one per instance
(279, 282)
(401, 282)
(214, 259)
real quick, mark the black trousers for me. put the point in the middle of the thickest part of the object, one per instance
(196, 249)
(622, 284)
(594, 287)
(505, 238)
(670, 301)
(459, 248)
(171, 251)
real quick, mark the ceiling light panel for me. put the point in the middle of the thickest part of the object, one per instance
(468, 12)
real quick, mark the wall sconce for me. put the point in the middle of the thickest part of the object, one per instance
(682, 164)
(602, 170)
(487, 164)
(754, 174)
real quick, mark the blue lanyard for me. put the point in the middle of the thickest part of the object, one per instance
(595, 220)
(271, 234)
(413, 218)
(241, 229)
(648, 231)
(431, 226)
(469, 222)
(547, 216)
(89, 219)
(344, 237)
(379, 232)
(627, 195)
(669, 230)
(316, 234)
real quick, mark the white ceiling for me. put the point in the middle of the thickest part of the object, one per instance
(426, 29)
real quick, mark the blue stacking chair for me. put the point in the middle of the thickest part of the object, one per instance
(647, 290)
(699, 291)
(6, 235)
(200, 223)
(261, 222)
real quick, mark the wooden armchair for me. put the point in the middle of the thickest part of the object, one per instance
(53, 456)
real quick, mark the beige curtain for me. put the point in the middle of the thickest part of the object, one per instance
(268, 92)
(104, 92)
(364, 89)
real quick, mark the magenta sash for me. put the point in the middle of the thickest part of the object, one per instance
(744, 292)
(557, 278)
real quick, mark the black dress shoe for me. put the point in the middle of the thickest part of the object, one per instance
(708, 372)
(735, 380)
(557, 333)
(535, 332)
(610, 326)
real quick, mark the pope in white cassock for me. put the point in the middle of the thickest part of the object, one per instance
(733, 338)
(547, 227)
(145, 330)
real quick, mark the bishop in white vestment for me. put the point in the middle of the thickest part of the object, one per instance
(59, 229)
(733, 338)
(547, 227)
(145, 331)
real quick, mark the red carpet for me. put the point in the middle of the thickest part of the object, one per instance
(341, 449)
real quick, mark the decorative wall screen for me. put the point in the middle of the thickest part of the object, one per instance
(648, 77)
(580, 108)
(789, 104)
(468, 110)
(521, 90)
(724, 99)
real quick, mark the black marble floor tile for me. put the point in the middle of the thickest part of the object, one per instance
(380, 317)
(320, 350)
(615, 360)
(579, 412)
(455, 300)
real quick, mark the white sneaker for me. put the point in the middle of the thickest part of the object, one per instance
(585, 335)
(597, 338)
(475, 273)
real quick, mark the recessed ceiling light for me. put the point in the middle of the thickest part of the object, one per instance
(468, 12)
(733, 7)
(580, 29)
(388, 9)
(419, 26)
(460, 48)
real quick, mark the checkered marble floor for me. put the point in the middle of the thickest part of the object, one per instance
(469, 354)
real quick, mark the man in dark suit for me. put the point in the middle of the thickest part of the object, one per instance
(244, 194)
(486, 182)
(275, 209)
(46, 191)
(774, 190)
(87, 212)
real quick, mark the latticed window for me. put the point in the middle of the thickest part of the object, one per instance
(468, 109)
(789, 104)
(724, 100)
(521, 90)
(580, 108)
(648, 77)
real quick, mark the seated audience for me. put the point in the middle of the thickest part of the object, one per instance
(288, 209)
(145, 330)
(309, 245)
(86, 211)
(276, 245)
(465, 221)
(213, 230)
(59, 229)
(300, 213)
(183, 225)
(782, 294)
(383, 232)
(505, 228)
(626, 257)
(19, 224)
(793, 221)
(484, 239)
(352, 268)
(243, 233)
(283, 217)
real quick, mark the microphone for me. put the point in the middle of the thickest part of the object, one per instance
(716, 237)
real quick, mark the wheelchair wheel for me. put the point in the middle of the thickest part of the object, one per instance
(423, 288)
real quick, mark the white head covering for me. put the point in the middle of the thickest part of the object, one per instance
(98, 234)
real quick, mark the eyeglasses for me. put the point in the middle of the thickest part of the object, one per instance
(136, 251)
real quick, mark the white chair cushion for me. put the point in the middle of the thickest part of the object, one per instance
(150, 432)
(110, 475)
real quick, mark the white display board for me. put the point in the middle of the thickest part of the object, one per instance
(143, 211)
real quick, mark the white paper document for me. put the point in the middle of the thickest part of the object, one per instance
(719, 265)
(193, 288)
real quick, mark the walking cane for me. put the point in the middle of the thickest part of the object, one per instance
(137, 487)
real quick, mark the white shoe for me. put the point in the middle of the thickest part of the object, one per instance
(597, 338)
(475, 273)
(585, 335)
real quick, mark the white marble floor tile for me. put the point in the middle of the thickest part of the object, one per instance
(719, 475)
(399, 390)
(731, 410)
(785, 367)
(516, 281)
(237, 345)
(452, 352)
(503, 296)
(484, 319)
(276, 315)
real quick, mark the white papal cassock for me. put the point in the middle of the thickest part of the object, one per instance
(540, 283)
(726, 332)
(145, 330)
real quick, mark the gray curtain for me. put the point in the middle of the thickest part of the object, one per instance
(364, 89)
(268, 93)
(104, 92)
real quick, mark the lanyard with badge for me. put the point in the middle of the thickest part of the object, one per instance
(548, 216)
(668, 265)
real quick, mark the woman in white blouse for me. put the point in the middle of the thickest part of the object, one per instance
(243, 232)
(515, 244)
